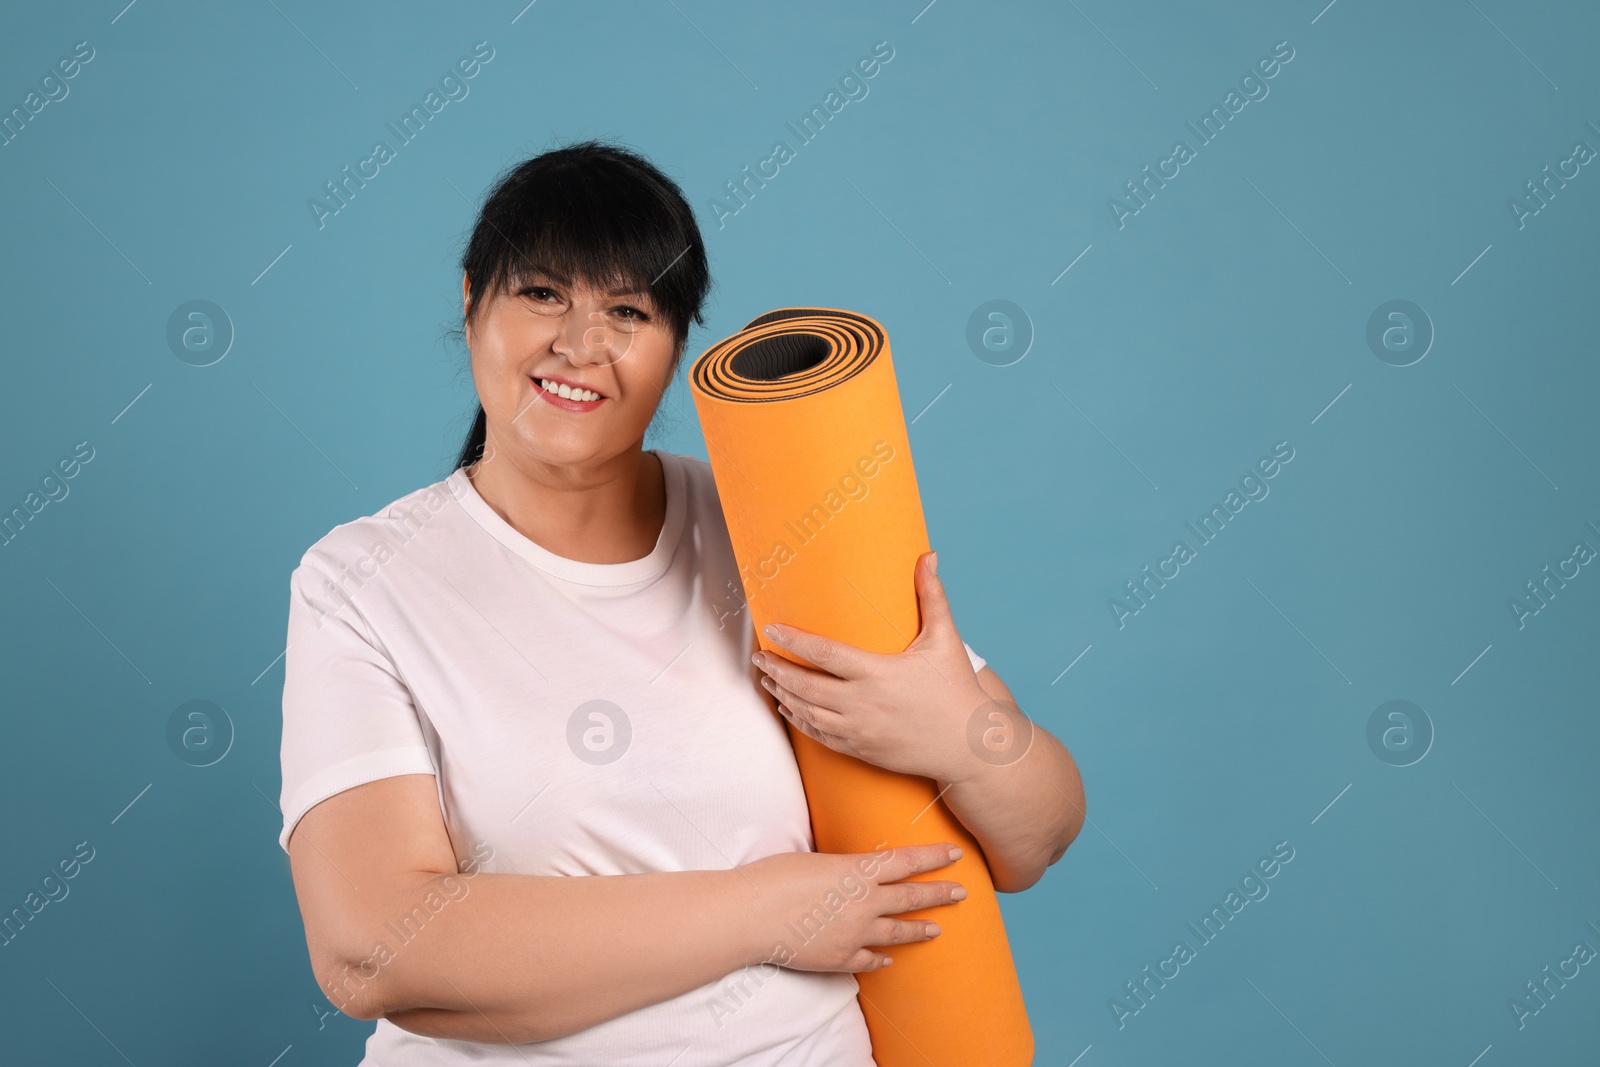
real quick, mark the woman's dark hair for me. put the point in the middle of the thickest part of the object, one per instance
(596, 214)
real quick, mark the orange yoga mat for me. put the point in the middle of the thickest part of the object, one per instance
(808, 446)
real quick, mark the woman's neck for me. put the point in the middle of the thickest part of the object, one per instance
(610, 512)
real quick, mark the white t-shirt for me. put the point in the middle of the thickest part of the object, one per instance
(580, 719)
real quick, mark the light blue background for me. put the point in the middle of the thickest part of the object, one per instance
(1223, 318)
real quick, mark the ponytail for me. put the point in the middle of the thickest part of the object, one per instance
(472, 448)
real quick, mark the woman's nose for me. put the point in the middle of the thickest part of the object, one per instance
(588, 340)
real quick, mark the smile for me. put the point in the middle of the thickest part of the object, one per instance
(564, 396)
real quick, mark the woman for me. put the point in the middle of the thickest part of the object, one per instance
(532, 794)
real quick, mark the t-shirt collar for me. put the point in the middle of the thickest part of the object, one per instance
(602, 574)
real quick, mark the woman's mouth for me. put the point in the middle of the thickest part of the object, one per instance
(564, 396)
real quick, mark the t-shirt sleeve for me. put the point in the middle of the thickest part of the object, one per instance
(977, 660)
(348, 718)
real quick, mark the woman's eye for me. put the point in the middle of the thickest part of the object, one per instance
(538, 293)
(635, 316)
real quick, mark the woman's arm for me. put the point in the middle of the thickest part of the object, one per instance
(396, 932)
(1023, 812)
(922, 711)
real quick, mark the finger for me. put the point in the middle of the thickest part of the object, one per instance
(902, 897)
(824, 719)
(907, 860)
(839, 658)
(935, 605)
(819, 687)
(867, 960)
(800, 724)
(902, 931)
(833, 741)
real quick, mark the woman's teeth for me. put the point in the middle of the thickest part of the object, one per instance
(566, 392)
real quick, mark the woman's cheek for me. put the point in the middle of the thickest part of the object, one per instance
(488, 374)
(502, 365)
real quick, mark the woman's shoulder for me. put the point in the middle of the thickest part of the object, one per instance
(700, 484)
(696, 471)
(692, 466)
(385, 532)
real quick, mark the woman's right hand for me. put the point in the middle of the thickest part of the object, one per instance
(822, 911)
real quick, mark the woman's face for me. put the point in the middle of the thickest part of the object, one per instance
(548, 330)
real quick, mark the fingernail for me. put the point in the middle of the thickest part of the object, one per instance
(756, 659)
(933, 563)
(933, 930)
(955, 852)
(770, 630)
(958, 893)
(767, 684)
(888, 961)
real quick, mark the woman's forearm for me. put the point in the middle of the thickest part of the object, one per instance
(1023, 814)
(523, 958)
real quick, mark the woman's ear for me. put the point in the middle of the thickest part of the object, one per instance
(466, 294)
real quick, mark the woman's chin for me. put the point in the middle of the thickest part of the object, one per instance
(572, 447)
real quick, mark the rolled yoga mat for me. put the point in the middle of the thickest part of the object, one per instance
(809, 450)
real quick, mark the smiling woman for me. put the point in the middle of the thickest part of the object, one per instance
(546, 669)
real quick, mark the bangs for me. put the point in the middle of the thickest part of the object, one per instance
(570, 249)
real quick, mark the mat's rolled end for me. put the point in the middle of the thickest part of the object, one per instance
(789, 353)
(808, 445)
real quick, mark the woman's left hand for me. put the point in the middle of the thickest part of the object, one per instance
(905, 711)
